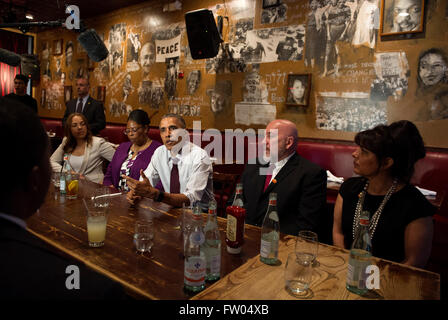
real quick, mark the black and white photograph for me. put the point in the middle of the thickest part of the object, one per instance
(58, 71)
(127, 87)
(298, 89)
(133, 49)
(226, 61)
(117, 37)
(119, 109)
(172, 68)
(185, 110)
(254, 90)
(366, 21)
(193, 81)
(57, 47)
(274, 14)
(68, 53)
(220, 96)
(147, 58)
(349, 114)
(392, 72)
(270, 3)
(273, 44)
(432, 69)
(402, 16)
(151, 94)
(67, 93)
(239, 31)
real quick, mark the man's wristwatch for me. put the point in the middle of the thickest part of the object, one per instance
(160, 196)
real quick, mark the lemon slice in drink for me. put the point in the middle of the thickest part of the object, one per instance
(73, 186)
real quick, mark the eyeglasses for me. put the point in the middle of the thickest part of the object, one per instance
(133, 130)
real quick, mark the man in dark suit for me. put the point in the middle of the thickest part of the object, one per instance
(30, 269)
(300, 184)
(85, 104)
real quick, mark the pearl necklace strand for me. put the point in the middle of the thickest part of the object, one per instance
(377, 214)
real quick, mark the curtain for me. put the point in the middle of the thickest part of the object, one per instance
(14, 42)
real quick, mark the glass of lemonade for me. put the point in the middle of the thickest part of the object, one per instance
(97, 205)
(72, 185)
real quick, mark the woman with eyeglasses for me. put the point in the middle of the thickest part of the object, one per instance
(86, 152)
(134, 155)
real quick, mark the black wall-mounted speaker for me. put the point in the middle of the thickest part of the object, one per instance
(203, 35)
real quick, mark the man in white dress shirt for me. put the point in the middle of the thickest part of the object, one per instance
(184, 169)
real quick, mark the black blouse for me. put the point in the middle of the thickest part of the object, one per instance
(403, 207)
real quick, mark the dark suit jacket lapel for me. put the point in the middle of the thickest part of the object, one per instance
(284, 172)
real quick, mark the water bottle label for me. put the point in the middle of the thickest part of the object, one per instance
(194, 272)
(231, 227)
(273, 216)
(265, 248)
(215, 264)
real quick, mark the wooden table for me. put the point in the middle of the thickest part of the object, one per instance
(159, 275)
(257, 281)
(155, 275)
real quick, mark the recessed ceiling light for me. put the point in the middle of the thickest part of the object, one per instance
(29, 16)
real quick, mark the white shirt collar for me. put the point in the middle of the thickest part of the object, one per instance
(20, 222)
(281, 163)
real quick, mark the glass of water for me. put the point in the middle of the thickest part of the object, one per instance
(308, 243)
(298, 273)
(144, 235)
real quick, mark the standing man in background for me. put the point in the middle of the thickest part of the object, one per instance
(20, 83)
(85, 104)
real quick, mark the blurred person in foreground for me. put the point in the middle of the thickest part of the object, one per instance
(401, 224)
(29, 268)
(86, 152)
(134, 155)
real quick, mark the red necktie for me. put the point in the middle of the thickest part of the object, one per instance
(79, 107)
(174, 181)
(267, 181)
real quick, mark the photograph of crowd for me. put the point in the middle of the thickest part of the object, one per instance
(349, 114)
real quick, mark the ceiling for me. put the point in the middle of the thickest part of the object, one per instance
(50, 10)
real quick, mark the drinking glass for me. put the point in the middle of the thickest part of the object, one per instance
(72, 185)
(187, 220)
(298, 272)
(144, 235)
(97, 205)
(56, 179)
(308, 243)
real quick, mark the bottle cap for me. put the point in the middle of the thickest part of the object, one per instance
(233, 250)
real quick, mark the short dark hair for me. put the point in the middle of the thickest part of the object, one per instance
(22, 77)
(400, 141)
(140, 117)
(178, 117)
(22, 135)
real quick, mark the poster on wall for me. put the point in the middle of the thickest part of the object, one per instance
(249, 113)
(133, 49)
(351, 112)
(273, 13)
(167, 49)
(220, 96)
(274, 44)
(392, 72)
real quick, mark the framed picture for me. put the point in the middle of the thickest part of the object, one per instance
(270, 3)
(101, 94)
(57, 47)
(67, 93)
(401, 16)
(298, 89)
